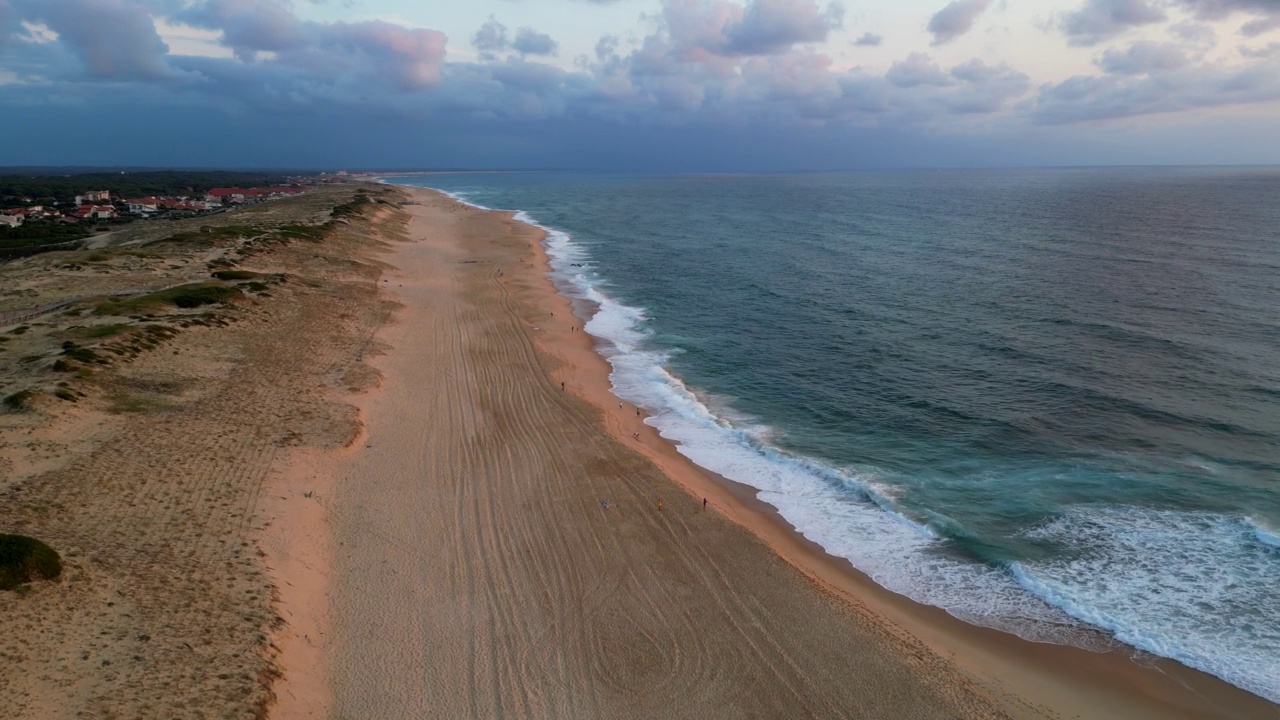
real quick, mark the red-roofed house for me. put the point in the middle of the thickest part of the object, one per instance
(95, 212)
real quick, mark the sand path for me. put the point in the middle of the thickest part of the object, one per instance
(480, 576)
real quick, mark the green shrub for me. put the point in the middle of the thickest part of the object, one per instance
(235, 275)
(208, 295)
(18, 400)
(75, 352)
(24, 559)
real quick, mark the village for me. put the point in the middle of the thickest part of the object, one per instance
(99, 205)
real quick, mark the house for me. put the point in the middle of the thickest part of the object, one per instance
(95, 212)
(226, 196)
(10, 221)
(142, 206)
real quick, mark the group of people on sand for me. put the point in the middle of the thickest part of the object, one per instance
(606, 504)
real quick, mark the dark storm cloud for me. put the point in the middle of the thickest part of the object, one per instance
(249, 26)
(1099, 20)
(114, 39)
(956, 19)
(411, 57)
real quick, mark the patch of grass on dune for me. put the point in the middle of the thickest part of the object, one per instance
(314, 233)
(183, 296)
(209, 235)
(101, 331)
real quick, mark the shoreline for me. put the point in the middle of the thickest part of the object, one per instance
(1122, 683)
(498, 551)
(488, 544)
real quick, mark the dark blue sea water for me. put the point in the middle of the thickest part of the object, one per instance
(1044, 400)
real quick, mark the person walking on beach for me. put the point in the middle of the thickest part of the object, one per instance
(659, 504)
(704, 503)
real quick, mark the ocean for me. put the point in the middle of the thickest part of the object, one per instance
(1046, 401)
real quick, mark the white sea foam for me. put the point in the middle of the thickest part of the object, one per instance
(462, 199)
(1198, 588)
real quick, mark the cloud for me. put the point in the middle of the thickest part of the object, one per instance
(530, 42)
(1202, 36)
(1271, 50)
(869, 40)
(699, 30)
(1099, 20)
(607, 47)
(1260, 26)
(1220, 9)
(769, 26)
(918, 69)
(986, 88)
(491, 37)
(721, 66)
(114, 39)
(1143, 58)
(955, 19)
(1188, 87)
(8, 17)
(249, 26)
(412, 58)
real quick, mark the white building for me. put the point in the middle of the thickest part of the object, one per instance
(93, 196)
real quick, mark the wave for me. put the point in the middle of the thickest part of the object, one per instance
(1193, 587)
(1264, 535)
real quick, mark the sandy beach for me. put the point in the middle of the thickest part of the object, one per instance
(390, 481)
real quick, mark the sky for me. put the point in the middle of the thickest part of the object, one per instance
(638, 85)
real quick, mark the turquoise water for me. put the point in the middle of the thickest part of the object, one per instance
(1043, 400)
